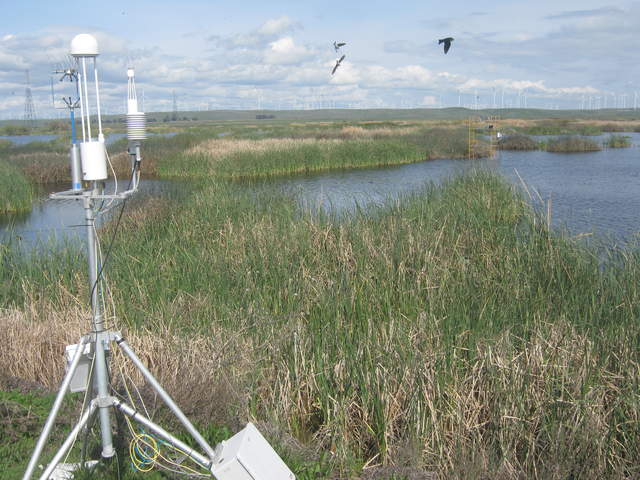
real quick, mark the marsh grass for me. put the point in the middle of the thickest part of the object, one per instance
(238, 159)
(307, 151)
(451, 141)
(572, 144)
(617, 141)
(448, 331)
(560, 127)
(517, 142)
(16, 193)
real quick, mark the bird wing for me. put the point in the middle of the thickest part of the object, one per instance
(335, 68)
(447, 46)
(341, 58)
(342, 44)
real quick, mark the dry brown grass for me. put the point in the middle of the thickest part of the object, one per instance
(219, 148)
(601, 123)
(204, 373)
(380, 132)
(122, 165)
(43, 167)
(503, 393)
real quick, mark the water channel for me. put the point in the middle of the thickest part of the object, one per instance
(593, 194)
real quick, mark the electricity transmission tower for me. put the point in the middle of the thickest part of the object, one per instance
(29, 107)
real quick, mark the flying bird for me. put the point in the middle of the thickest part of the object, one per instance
(447, 43)
(338, 62)
(337, 45)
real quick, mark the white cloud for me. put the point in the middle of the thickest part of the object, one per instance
(284, 51)
(277, 26)
(259, 37)
(537, 86)
(273, 60)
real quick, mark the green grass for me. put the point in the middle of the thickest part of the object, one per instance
(303, 159)
(561, 127)
(16, 193)
(301, 150)
(22, 416)
(617, 141)
(449, 325)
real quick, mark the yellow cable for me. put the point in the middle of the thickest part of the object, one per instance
(138, 438)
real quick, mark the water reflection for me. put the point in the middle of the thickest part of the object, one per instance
(589, 193)
(24, 139)
(52, 222)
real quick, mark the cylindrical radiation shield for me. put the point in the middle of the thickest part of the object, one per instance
(94, 160)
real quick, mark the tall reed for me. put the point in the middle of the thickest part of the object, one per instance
(448, 331)
(16, 193)
(572, 144)
(237, 159)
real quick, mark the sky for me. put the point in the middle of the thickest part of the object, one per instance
(279, 54)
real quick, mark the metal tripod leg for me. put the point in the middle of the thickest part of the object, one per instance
(46, 430)
(165, 397)
(138, 417)
(69, 441)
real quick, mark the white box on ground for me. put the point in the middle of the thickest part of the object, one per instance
(64, 471)
(248, 456)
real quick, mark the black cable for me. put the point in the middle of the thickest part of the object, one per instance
(113, 237)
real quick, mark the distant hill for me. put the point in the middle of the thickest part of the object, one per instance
(373, 114)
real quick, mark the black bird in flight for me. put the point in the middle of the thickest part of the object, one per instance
(338, 62)
(447, 43)
(337, 45)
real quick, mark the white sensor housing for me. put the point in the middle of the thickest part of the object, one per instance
(94, 160)
(248, 456)
(84, 45)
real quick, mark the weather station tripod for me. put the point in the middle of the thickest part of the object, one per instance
(95, 348)
(246, 455)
